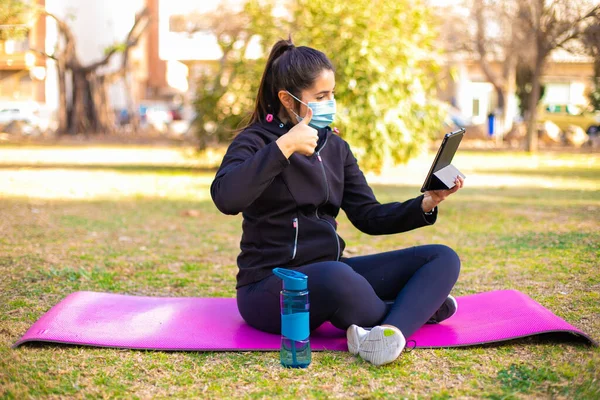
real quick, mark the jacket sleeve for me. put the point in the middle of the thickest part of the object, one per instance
(372, 217)
(248, 168)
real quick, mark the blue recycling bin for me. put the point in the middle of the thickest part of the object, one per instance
(491, 124)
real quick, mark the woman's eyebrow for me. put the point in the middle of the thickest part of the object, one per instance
(325, 91)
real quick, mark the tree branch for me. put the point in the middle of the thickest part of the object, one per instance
(132, 39)
(594, 12)
(69, 52)
(44, 54)
(480, 44)
(577, 31)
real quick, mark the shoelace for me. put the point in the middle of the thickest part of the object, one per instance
(410, 348)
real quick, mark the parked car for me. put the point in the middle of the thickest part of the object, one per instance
(564, 115)
(30, 117)
(14, 111)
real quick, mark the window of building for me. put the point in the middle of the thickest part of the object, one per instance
(476, 107)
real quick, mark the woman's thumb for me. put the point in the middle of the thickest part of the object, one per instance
(308, 116)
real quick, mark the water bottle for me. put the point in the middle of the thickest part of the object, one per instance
(295, 327)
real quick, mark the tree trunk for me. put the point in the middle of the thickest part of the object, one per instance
(79, 121)
(134, 121)
(510, 85)
(91, 111)
(90, 108)
(103, 116)
(63, 111)
(534, 96)
(96, 102)
(107, 115)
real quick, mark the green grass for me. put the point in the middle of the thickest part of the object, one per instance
(529, 223)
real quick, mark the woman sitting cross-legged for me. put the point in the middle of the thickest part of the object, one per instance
(289, 175)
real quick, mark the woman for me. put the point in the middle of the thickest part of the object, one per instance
(289, 175)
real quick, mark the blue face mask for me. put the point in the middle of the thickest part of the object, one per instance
(323, 112)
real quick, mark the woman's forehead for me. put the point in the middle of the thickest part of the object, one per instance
(325, 81)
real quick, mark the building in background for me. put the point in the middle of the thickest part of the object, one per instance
(188, 50)
(567, 79)
(22, 72)
(167, 61)
(566, 76)
(27, 76)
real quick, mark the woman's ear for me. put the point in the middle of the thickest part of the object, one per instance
(286, 99)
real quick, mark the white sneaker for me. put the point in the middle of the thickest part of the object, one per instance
(380, 345)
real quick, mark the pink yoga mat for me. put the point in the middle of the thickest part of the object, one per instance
(214, 324)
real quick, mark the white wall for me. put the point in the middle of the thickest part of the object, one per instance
(200, 46)
(565, 93)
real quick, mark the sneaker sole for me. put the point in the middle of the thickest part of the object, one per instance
(352, 337)
(455, 304)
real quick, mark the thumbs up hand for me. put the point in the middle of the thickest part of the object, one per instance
(301, 138)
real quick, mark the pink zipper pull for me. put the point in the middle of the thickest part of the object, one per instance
(319, 157)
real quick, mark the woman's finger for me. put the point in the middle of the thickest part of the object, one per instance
(454, 188)
(458, 184)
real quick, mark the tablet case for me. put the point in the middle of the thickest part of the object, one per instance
(444, 178)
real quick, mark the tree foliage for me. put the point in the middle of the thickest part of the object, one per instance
(386, 68)
(525, 86)
(15, 18)
(385, 79)
(226, 90)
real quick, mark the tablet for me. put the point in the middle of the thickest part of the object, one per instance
(442, 173)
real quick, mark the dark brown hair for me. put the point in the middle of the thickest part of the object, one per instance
(288, 68)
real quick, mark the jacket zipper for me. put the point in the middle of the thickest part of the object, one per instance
(337, 239)
(295, 224)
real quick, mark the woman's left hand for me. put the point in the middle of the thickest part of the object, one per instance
(434, 197)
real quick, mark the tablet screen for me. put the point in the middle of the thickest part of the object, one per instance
(443, 157)
(448, 150)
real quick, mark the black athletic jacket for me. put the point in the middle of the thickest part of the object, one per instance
(289, 206)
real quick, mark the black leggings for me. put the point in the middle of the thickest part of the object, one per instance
(355, 290)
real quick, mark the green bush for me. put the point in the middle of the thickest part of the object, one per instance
(385, 57)
(226, 89)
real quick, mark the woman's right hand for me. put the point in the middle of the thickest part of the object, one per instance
(300, 139)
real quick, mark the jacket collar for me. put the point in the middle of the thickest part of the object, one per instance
(278, 128)
(275, 126)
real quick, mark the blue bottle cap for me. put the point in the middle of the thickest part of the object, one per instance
(292, 280)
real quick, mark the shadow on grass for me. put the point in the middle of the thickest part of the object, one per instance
(500, 196)
(133, 168)
(567, 173)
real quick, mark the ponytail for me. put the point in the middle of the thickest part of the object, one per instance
(288, 68)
